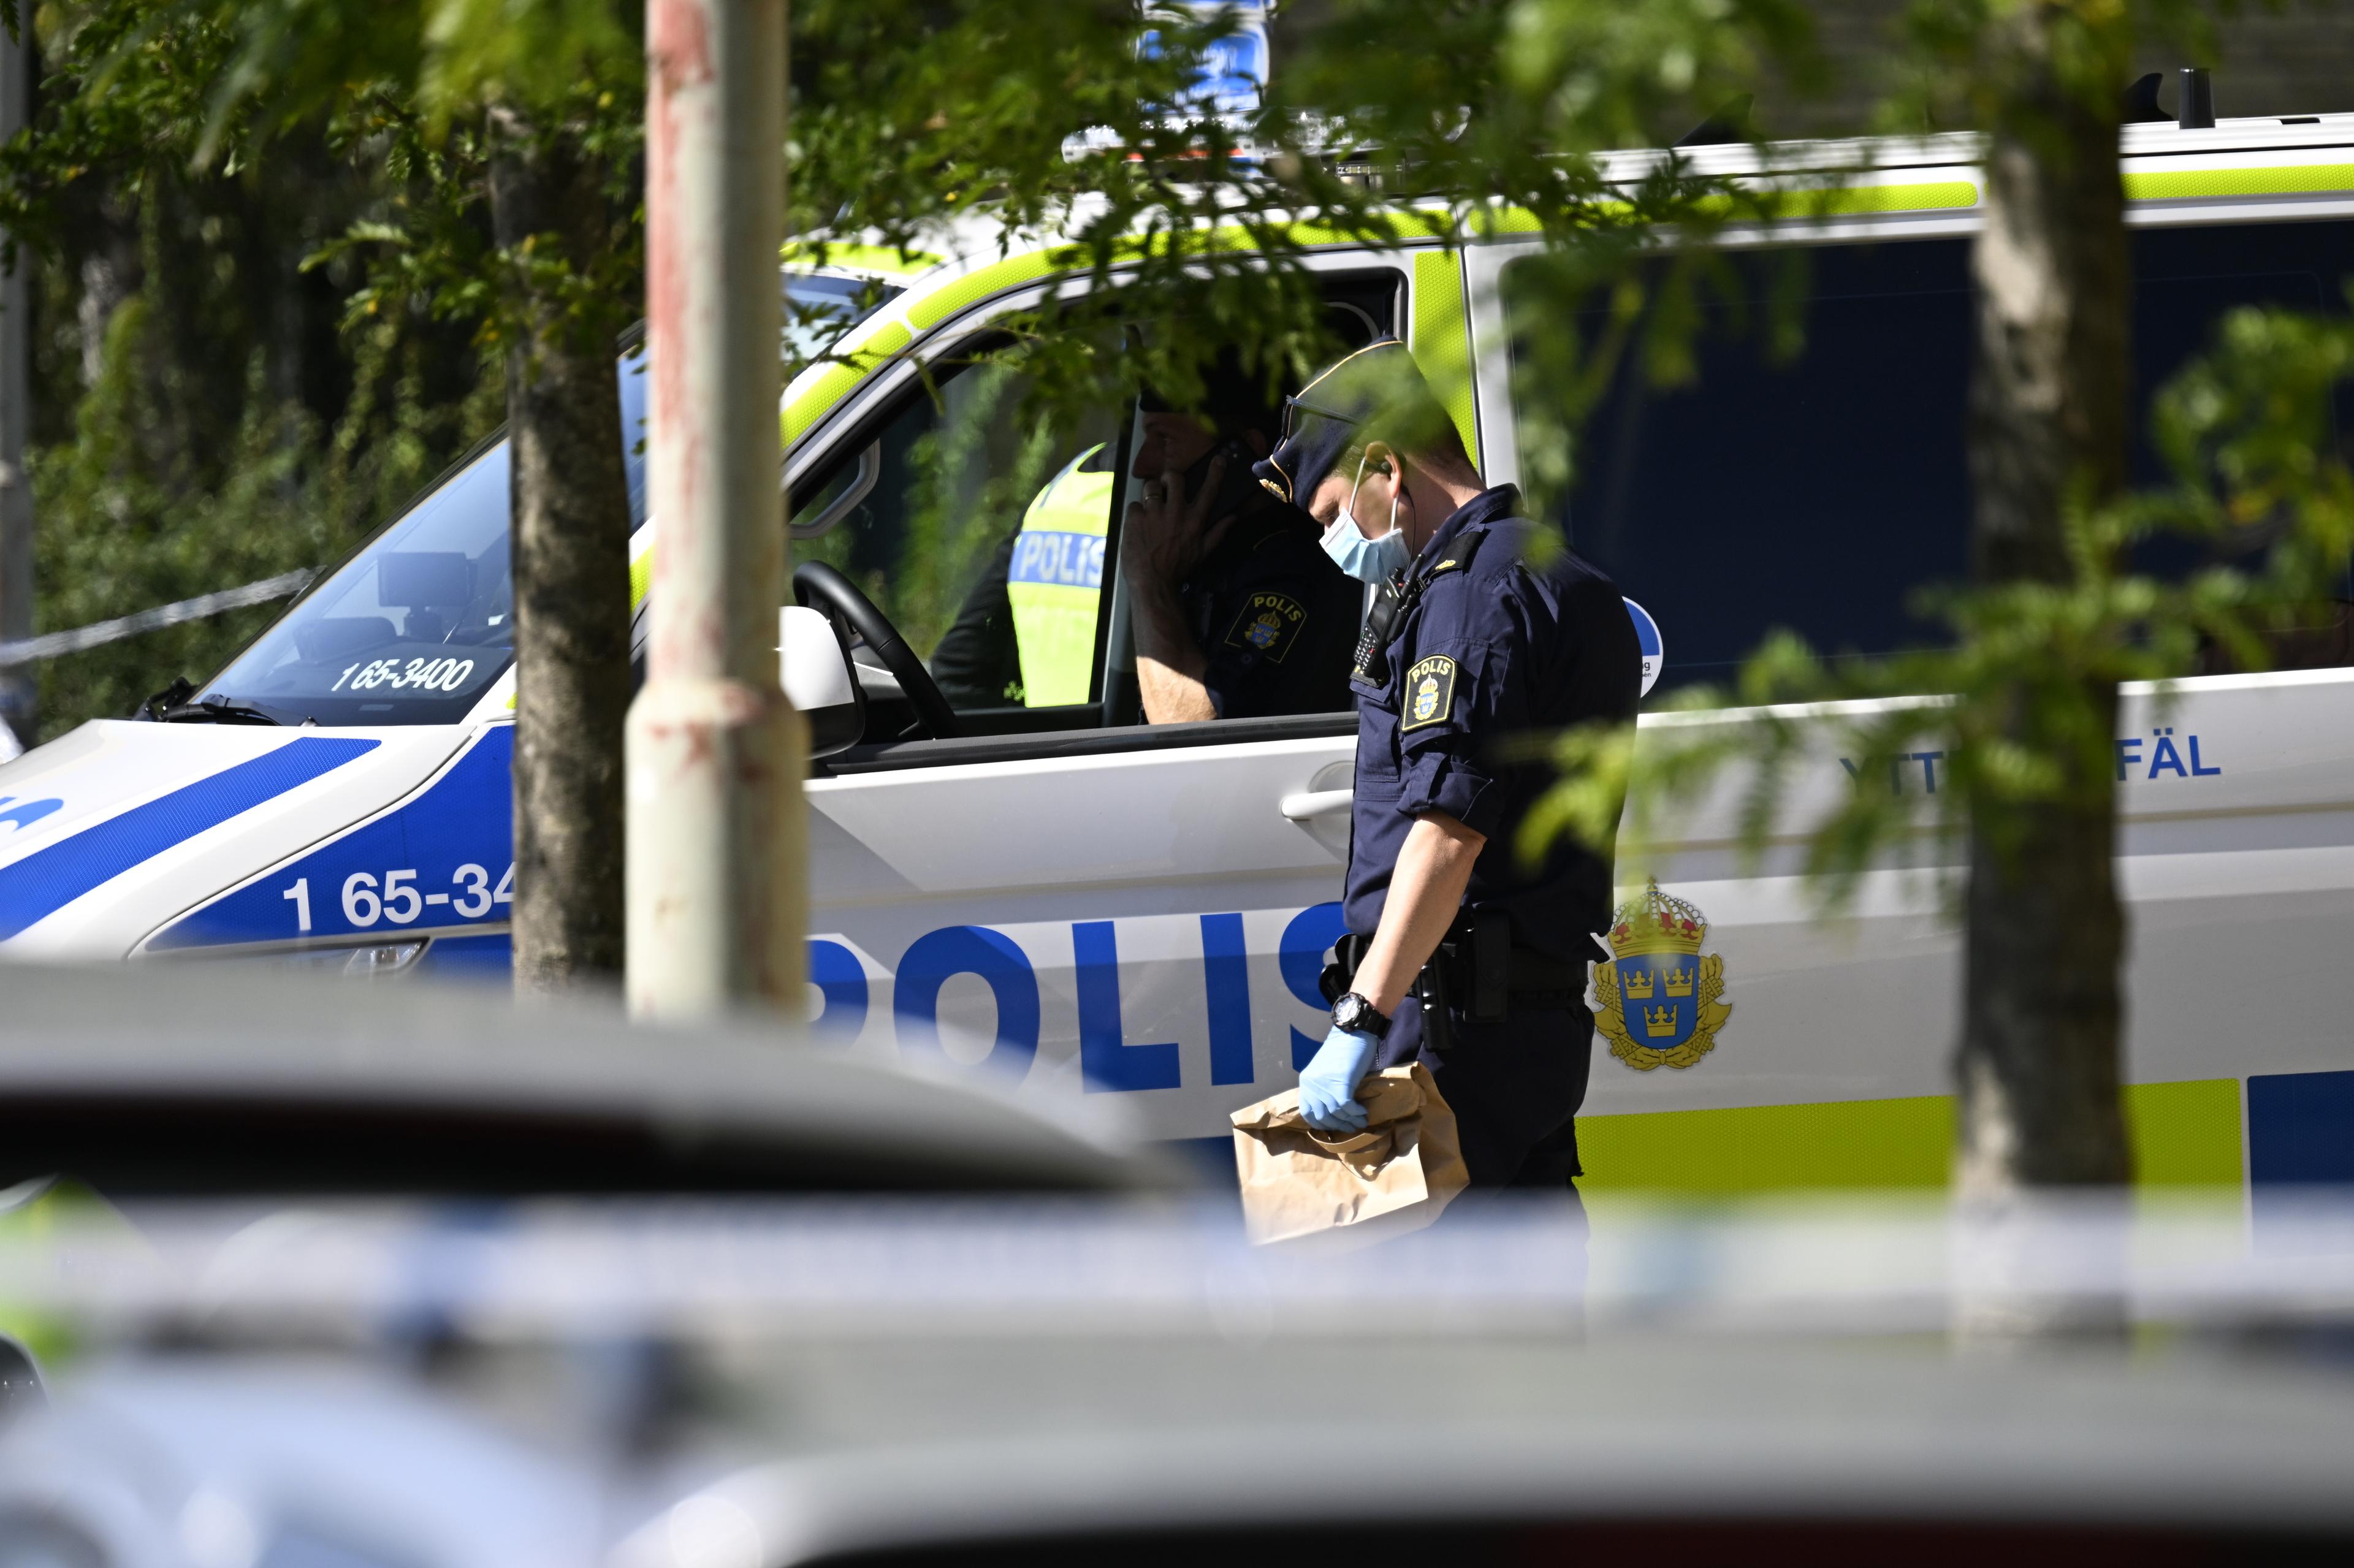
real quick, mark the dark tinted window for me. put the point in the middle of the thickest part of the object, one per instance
(1819, 494)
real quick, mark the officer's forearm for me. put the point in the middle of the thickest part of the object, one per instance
(1434, 867)
(1171, 696)
(1169, 668)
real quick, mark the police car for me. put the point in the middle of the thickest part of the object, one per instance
(1014, 875)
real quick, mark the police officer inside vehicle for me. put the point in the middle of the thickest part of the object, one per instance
(1236, 612)
(1459, 954)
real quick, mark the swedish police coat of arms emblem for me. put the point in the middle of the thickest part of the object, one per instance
(1429, 692)
(1268, 625)
(1658, 999)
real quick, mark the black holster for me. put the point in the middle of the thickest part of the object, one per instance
(1474, 972)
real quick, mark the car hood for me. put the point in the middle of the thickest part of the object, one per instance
(110, 833)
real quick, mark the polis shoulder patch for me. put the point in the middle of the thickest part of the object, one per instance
(1429, 692)
(1269, 625)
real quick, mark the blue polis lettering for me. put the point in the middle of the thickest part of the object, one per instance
(840, 979)
(1107, 1061)
(936, 956)
(1300, 956)
(1067, 560)
(1225, 989)
(2164, 758)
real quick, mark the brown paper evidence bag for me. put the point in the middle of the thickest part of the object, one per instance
(1302, 1186)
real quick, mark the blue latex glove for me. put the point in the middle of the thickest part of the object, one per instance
(1327, 1084)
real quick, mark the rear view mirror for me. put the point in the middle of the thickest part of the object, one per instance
(424, 579)
(819, 681)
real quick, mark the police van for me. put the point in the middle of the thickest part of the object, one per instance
(1012, 874)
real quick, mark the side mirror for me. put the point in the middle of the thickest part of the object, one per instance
(819, 681)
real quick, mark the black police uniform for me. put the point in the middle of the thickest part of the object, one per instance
(1272, 614)
(978, 660)
(1486, 646)
(1276, 619)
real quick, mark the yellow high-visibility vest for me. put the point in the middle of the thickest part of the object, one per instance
(1055, 583)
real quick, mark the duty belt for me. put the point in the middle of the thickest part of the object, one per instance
(1477, 969)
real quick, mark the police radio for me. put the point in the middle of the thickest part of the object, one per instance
(1397, 593)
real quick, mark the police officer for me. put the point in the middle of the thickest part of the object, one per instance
(1053, 581)
(1234, 610)
(1459, 954)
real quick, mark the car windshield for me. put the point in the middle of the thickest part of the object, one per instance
(420, 621)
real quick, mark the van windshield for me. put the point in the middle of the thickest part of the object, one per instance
(420, 621)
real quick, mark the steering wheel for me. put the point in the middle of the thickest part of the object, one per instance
(818, 587)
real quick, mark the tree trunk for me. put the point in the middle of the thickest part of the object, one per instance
(571, 563)
(19, 685)
(2039, 1063)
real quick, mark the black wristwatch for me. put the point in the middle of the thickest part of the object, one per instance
(1357, 1015)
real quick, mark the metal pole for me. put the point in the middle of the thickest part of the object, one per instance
(715, 756)
(21, 685)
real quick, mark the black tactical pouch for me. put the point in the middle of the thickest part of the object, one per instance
(1347, 954)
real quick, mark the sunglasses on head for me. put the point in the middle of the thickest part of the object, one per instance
(1292, 405)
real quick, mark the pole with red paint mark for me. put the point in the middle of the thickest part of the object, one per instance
(718, 889)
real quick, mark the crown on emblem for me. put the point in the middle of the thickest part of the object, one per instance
(1657, 923)
(1680, 983)
(1658, 1021)
(1639, 983)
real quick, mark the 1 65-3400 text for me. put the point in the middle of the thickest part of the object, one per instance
(417, 675)
(395, 896)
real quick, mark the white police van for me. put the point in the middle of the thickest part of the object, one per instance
(1082, 903)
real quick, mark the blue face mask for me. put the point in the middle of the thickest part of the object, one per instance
(1367, 560)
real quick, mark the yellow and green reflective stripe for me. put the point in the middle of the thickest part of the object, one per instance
(860, 258)
(978, 285)
(2185, 1135)
(838, 379)
(642, 576)
(2180, 185)
(1442, 340)
(1797, 205)
(1847, 201)
(958, 294)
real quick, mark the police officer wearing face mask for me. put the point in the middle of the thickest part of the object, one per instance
(1459, 954)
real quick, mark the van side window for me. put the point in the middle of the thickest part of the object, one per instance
(987, 532)
(1820, 494)
(980, 536)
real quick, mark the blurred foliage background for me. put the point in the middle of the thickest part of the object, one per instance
(208, 406)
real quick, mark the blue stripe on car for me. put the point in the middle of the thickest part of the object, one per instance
(466, 814)
(47, 880)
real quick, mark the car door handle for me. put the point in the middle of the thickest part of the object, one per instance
(1308, 804)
